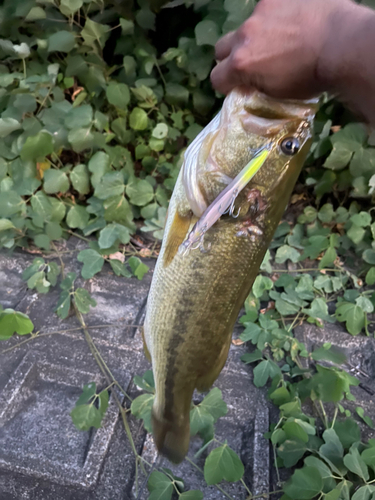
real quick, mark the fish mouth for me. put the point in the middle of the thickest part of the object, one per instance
(266, 116)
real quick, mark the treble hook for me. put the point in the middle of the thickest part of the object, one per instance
(230, 209)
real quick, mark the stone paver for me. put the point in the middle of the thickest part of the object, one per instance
(43, 456)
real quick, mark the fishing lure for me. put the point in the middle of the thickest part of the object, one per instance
(224, 203)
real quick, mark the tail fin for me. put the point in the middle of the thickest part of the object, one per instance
(171, 440)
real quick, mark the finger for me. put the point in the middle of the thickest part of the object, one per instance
(224, 46)
(223, 78)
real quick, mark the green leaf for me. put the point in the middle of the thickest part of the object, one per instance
(111, 233)
(140, 192)
(223, 463)
(86, 416)
(141, 408)
(62, 41)
(368, 456)
(8, 125)
(213, 403)
(339, 157)
(118, 94)
(94, 32)
(78, 117)
(331, 354)
(356, 233)
(81, 139)
(127, 26)
(191, 495)
(138, 268)
(112, 184)
(361, 413)
(138, 119)
(263, 371)
(207, 33)
(160, 131)
(176, 94)
(88, 392)
(333, 449)
(294, 431)
(14, 322)
(291, 451)
(286, 252)
(80, 179)
(6, 224)
(92, 263)
(355, 464)
(103, 398)
(324, 470)
(83, 300)
(10, 204)
(38, 281)
(77, 217)
(306, 483)
(63, 305)
(201, 422)
(119, 268)
(261, 284)
(348, 432)
(55, 181)
(364, 493)
(69, 7)
(365, 304)
(353, 315)
(37, 146)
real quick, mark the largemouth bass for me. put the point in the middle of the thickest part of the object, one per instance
(196, 296)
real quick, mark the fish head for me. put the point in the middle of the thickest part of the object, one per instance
(248, 122)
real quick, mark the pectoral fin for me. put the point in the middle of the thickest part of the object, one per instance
(177, 234)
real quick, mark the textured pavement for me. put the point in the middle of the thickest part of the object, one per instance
(43, 456)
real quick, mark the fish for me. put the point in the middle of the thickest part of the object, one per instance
(195, 297)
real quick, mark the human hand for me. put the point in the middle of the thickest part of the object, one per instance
(283, 49)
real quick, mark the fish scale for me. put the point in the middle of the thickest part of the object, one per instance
(195, 299)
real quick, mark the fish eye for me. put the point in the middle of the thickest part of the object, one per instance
(290, 146)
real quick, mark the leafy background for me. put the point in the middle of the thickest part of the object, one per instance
(98, 101)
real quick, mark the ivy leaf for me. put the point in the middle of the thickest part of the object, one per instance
(14, 322)
(207, 33)
(353, 315)
(138, 268)
(37, 146)
(261, 284)
(328, 353)
(77, 217)
(63, 305)
(223, 463)
(138, 119)
(119, 268)
(159, 486)
(83, 300)
(62, 41)
(191, 495)
(141, 408)
(86, 416)
(88, 392)
(348, 432)
(364, 493)
(69, 7)
(80, 179)
(146, 382)
(355, 464)
(286, 252)
(112, 184)
(291, 451)
(368, 456)
(333, 449)
(81, 139)
(361, 413)
(118, 94)
(306, 483)
(55, 181)
(8, 125)
(92, 263)
(263, 371)
(94, 32)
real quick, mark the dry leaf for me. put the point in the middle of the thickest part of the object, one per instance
(117, 256)
(297, 197)
(237, 342)
(76, 92)
(41, 167)
(145, 252)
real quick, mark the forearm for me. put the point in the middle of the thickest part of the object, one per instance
(347, 64)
